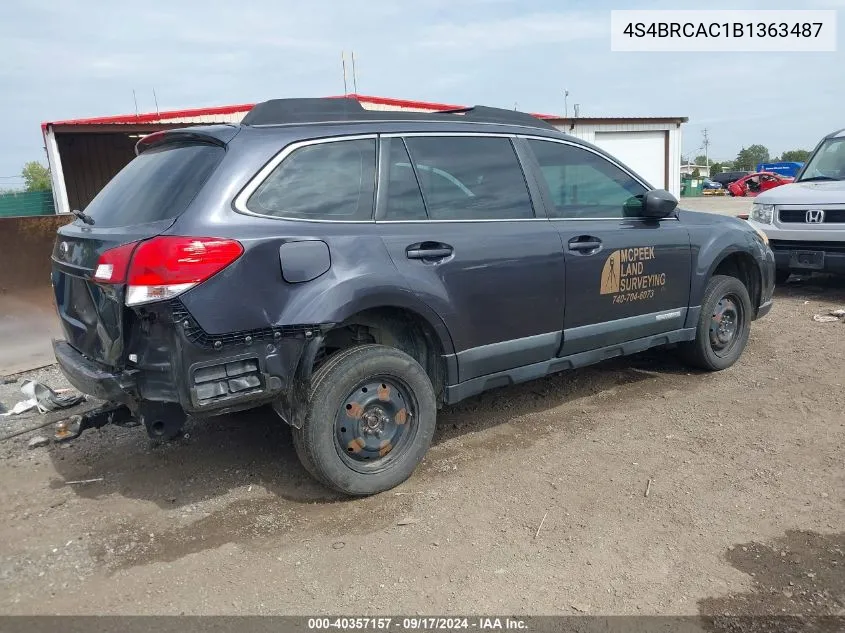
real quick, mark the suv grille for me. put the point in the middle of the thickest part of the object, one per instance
(809, 245)
(799, 216)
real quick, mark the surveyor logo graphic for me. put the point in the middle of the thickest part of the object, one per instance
(610, 275)
(631, 270)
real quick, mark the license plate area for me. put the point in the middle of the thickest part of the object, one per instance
(813, 260)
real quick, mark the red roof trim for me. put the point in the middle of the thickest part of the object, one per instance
(162, 117)
(154, 117)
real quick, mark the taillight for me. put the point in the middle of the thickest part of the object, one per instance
(165, 266)
(113, 264)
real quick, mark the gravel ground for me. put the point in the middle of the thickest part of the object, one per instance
(531, 500)
(723, 205)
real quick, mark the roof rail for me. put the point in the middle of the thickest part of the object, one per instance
(316, 110)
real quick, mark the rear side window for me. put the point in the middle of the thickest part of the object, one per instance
(470, 178)
(404, 200)
(157, 185)
(585, 185)
(326, 181)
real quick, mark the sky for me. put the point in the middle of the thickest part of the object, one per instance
(61, 60)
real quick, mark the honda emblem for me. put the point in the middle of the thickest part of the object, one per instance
(815, 216)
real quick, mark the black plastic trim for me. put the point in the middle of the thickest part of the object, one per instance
(456, 393)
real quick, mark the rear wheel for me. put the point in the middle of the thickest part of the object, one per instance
(723, 326)
(370, 420)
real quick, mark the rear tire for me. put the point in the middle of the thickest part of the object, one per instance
(723, 325)
(371, 416)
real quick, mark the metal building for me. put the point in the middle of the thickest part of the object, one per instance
(84, 154)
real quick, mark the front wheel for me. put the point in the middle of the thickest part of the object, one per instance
(723, 326)
(371, 416)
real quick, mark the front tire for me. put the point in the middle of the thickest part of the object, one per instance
(723, 326)
(371, 416)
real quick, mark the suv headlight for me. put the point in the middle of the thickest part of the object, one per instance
(762, 212)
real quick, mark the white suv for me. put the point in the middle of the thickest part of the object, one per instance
(805, 220)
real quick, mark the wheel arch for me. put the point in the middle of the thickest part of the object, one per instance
(743, 266)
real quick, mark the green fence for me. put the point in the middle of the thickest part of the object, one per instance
(21, 203)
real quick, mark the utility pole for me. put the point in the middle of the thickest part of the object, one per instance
(565, 104)
(706, 145)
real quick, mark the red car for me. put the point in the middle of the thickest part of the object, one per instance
(752, 184)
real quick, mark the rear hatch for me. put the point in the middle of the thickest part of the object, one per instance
(142, 201)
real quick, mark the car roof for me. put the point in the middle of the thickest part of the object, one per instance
(348, 110)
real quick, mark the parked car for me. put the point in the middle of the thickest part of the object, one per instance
(710, 184)
(727, 177)
(805, 220)
(754, 184)
(357, 270)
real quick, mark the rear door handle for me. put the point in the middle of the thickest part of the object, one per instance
(428, 250)
(584, 244)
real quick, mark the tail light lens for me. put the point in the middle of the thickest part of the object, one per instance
(113, 264)
(165, 266)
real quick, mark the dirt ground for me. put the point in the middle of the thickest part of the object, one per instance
(532, 500)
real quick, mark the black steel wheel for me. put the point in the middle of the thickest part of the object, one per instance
(370, 419)
(724, 325)
(375, 424)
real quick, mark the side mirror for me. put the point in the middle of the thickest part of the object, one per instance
(658, 203)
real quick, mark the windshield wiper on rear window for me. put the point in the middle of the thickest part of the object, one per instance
(83, 216)
(818, 178)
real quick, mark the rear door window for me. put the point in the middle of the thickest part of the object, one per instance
(157, 185)
(470, 178)
(325, 181)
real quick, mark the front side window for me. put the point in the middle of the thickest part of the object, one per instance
(325, 181)
(583, 184)
(470, 178)
(827, 163)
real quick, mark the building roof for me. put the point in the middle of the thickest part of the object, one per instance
(234, 113)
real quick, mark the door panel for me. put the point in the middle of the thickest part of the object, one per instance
(627, 277)
(635, 284)
(497, 283)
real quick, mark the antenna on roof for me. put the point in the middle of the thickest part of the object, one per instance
(354, 77)
(135, 99)
(155, 98)
(343, 65)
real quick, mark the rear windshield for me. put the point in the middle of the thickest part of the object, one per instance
(157, 185)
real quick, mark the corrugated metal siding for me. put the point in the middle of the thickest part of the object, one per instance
(90, 161)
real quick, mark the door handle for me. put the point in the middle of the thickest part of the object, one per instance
(584, 244)
(428, 250)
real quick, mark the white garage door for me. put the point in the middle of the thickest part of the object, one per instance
(644, 152)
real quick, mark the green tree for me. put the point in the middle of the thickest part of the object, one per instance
(696, 173)
(716, 168)
(36, 177)
(751, 156)
(701, 159)
(795, 155)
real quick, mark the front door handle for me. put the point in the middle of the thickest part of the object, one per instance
(428, 250)
(584, 244)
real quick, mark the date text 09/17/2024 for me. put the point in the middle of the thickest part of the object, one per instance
(421, 623)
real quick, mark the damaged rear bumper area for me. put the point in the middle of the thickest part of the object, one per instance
(169, 360)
